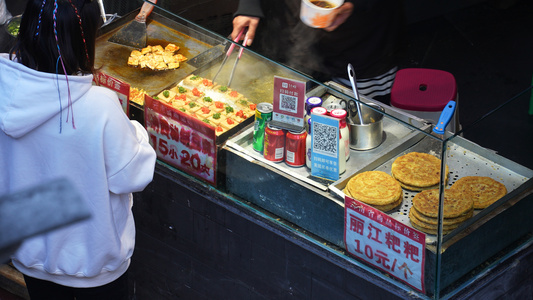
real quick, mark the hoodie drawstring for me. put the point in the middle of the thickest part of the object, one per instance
(69, 107)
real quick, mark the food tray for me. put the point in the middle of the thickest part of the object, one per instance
(253, 76)
(395, 135)
(112, 58)
(463, 159)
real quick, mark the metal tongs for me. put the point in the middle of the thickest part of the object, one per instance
(228, 53)
(237, 60)
(351, 103)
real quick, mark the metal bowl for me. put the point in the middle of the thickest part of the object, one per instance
(370, 134)
(12, 26)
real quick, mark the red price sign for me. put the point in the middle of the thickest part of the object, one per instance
(385, 243)
(185, 143)
(120, 87)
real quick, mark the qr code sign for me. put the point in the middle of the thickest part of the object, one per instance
(288, 103)
(325, 139)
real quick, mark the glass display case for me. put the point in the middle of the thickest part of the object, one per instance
(457, 239)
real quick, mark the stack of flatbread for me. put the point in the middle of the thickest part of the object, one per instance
(482, 190)
(424, 212)
(417, 171)
(375, 188)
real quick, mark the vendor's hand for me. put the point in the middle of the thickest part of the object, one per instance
(342, 13)
(242, 22)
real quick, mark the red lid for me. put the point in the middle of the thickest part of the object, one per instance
(420, 89)
(338, 113)
(319, 111)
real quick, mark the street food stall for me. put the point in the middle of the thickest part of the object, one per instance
(408, 215)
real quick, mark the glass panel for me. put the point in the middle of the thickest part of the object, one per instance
(459, 246)
(500, 189)
(176, 10)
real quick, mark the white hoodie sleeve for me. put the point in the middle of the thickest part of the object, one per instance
(129, 157)
(139, 171)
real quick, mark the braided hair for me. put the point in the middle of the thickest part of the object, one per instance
(58, 32)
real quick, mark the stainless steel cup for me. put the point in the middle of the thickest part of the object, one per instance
(369, 135)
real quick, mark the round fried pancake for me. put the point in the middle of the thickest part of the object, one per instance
(374, 188)
(430, 231)
(347, 192)
(389, 207)
(383, 208)
(417, 170)
(455, 205)
(445, 221)
(420, 223)
(417, 188)
(483, 190)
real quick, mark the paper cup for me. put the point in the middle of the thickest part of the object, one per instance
(316, 16)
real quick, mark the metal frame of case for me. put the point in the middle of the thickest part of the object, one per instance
(320, 210)
(317, 206)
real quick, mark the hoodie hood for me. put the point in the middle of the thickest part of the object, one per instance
(29, 98)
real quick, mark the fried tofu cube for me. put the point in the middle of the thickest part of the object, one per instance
(136, 53)
(173, 65)
(157, 49)
(168, 57)
(172, 48)
(146, 50)
(166, 96)
(133, 61)
(161, 66)
(180, 58)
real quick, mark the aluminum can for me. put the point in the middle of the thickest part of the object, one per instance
(295, 148)
(274, 149)
(263, 115)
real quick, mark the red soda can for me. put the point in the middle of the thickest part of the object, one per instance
(274, 149)
(295, 148)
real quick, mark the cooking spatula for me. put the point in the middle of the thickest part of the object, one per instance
(134, 33)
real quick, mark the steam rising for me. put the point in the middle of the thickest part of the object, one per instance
(282, 37)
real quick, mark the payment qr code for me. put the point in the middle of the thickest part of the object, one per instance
(288, 103)
(325, 139)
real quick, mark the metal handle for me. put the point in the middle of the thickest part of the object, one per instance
(228, 54)
(102, 10)
(445, 117)
(232, 46)
(146, 9)
(237, 61)
(352, 109)
(351, 74)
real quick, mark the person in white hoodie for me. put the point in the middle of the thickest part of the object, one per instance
(56, 123)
